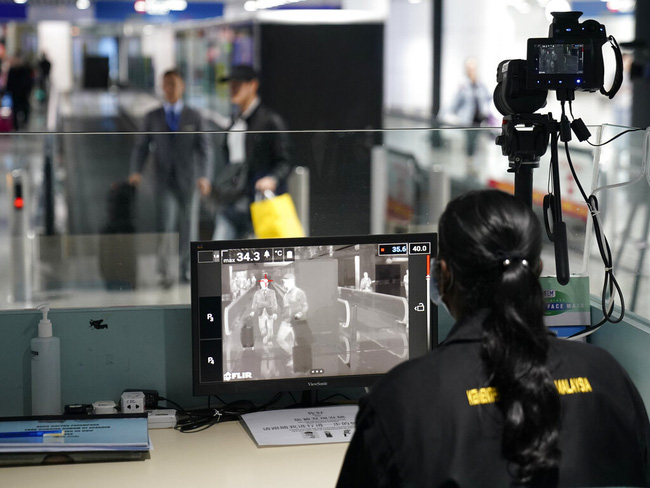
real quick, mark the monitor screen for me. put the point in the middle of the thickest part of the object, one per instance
(308, 313)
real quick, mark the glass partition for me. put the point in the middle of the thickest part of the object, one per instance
(69, 237)
(623, 190)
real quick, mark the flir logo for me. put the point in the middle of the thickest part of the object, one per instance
(245, 375)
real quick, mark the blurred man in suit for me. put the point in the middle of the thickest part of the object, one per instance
(181, 170)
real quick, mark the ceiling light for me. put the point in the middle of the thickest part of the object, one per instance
(620, 5)
(253, 5)
(159, 7)
(83, 4)
(556, 6)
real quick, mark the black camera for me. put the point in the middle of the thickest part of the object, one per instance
(569, 60)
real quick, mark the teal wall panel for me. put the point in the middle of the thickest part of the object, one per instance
(629, 343)
(150, 348)
(141, 348)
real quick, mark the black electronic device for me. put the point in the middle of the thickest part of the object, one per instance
(310, 313)
(569, 60)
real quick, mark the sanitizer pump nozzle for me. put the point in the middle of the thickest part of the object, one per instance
(45, 325)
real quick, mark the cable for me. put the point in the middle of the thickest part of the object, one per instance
(201, 419)
(613, 138)
(611, 289)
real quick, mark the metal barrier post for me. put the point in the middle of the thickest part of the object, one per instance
(378, 190)
(298, 183)
(439, 192)
(22, 240)
(48, 186)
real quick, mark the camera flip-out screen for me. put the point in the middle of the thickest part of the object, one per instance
(560, 63)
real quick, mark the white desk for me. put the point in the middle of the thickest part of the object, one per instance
(223, 456)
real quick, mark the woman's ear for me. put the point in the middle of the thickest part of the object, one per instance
(540, 267)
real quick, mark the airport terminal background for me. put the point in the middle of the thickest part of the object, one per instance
(377, 143)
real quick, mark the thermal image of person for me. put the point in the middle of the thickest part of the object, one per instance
(366, 282)
(294, 329)
(265, 308)
(405, 281)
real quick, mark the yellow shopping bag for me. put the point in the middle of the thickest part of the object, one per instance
(276, 217)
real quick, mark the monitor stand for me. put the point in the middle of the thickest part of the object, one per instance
(308, 399)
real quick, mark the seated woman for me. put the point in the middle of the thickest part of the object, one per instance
(501, 402)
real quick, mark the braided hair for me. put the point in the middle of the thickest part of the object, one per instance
(491, 242)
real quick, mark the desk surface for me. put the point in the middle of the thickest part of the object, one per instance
(223, 456)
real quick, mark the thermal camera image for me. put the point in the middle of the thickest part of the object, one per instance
(324, 310)
(561, 58)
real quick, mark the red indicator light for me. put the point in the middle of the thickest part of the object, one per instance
(18, 202)
(382, 249)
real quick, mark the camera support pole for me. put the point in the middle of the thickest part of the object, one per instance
(557, 231)
(524, 148)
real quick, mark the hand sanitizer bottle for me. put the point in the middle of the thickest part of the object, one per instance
(46, 369)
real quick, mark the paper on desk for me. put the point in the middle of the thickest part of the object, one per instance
(318, 425)
(87, 434)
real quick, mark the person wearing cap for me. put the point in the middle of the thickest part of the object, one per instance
(266, 154)
(294, 319)
(180, 169)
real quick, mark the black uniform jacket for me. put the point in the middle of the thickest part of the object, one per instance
(431, 422)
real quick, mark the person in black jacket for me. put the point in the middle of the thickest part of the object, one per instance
(263, 156)
(20, 82)
(502, 401)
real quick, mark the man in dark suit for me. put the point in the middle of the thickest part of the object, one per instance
(180, 169)
(266, 155)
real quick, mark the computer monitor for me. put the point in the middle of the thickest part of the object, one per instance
(310, 313)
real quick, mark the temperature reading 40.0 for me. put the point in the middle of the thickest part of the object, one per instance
(419, 248)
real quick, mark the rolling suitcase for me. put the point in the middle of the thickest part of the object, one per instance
(118, 252)
(246, 333)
